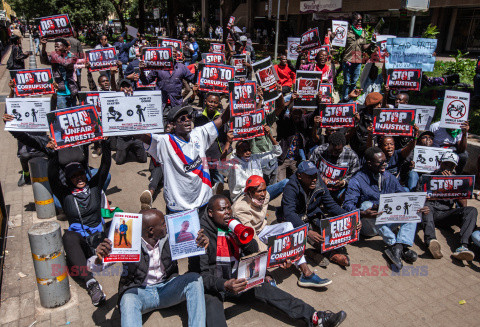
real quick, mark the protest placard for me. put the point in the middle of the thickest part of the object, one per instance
(183, 230)
(404, 79)
(55, 26)
(92, 97)
(455, 109)
(312, 53)
(289, 245)
(248, 126)
(214, 77)
(339, 30)
(30, 114)
(381, 42)
(238, 61)
(33, 82)
(423, 115)
(454, 187)
(217, 48)
(140, 85)
(253, 270)
(395, 122)
(427, 158)
(410, 53)
(267, 79)
(399, 208)
(242, 98)
(231, 22)
(307, 84)
(74, 126)
(160, 58)
(310, 39)
(174, 43)
(102, 59)
(293, 44)
(213, 58)
(126, 236)
(340, 230)
(136, 114)
(326, 93)
(331, 173)
(338, 115)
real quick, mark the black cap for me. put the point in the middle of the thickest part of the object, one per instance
(72, 168)
(177, 111)
(125, 81)
(426, 133)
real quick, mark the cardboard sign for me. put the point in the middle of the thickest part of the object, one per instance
(455, 187)
(174, 43)
(338, 115)
(231, 22)
(74, 126)
(30, 114)
(248, 126)
(102, 59)
(310, 39)
(411, 53)
(213, 58)
(253, 270)
(55, 26)
(129, 115)
(340, 230)
(214, 77)
(289, 245)
(312, 54)
(267, 79)
(93, 98)
(339, 30)
(326, 91)
(238, 61)
(158, 58)
(307, 84)
(331, 173)
(217, 48)
(395, 122)
(423, 115)
(399, 208)
(139, 82)
(427, 158)
(33, 82)
(381, 42)
(404, 79)
(293, 44)
(455, 109)
(126, 236)
(242, 98)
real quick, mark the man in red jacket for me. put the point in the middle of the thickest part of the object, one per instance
(286, 74)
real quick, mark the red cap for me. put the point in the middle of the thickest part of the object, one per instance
(253, 181)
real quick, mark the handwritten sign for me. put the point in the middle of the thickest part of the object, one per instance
(411, 53)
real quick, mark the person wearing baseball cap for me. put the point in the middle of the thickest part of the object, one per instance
(442, 213)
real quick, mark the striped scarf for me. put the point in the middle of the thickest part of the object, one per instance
(228, 254)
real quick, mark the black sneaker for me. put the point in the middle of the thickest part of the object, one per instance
(394, 255)
(409, 256)
(27, 180)
(328, 318)
(96, 293)
(21, 181)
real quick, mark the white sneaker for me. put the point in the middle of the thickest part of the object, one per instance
(146, 200)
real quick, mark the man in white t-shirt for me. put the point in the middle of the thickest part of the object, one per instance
(182, 155)
(455, 139)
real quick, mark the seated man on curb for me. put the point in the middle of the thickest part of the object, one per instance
(218, 268)
(251, 209)
(363, 193)
(153, 282)
(442, 213)
(306, 199)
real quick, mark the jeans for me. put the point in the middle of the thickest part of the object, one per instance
(405, 234)
(351, 74)
(139, 300)
(37, 45)
(412, 180)
(276, 189)
(476, 238)
(65, 101)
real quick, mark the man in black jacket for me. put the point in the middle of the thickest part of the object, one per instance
(153, 282)
(219, 276)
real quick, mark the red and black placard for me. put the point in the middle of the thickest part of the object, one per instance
(55, 26)
(217, 48)
(326, 91)
(307, 84)
(313, 52)
(331, 173)
(238, 61)
(139, 82)
(404, 79)
(242, 98)
(231, 22)
(158, 58)
(33, 82)
(214, 77)
(310, 39)
(454, 187)
(102, 59)
(340, 230)
(338, 115)
(287, 246)
(213, 58)
(247, 126)
(267, 79)
(395, 122)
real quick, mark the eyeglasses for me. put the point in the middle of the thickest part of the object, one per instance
(184, 118)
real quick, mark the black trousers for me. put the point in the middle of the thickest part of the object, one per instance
(156, 176)
(465, 217)
(266, 293)
(77, 251)
(124, 145)
(24, 155)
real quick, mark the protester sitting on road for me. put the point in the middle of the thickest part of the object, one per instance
(363, 192)
(442, 213)
(251, 209)
(219, 266)
(425, 139)
(153, 282)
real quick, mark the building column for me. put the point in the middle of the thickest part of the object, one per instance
(204, 15)
(451, 29)
(249, 23)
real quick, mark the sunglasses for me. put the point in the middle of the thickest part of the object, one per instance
(184, 118)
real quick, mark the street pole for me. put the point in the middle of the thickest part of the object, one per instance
(412, 25)
(278, 28)
(33, 61)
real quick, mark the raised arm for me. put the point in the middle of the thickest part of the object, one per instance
(102, 173)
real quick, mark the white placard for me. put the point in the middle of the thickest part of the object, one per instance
(127, 115)
(427, 158)
(126, 237)
(30, 114)
(183, 230)
(293, 44)
(253, 270)
(423, 115)
(455, 109)
(399, 208)
(340, 30)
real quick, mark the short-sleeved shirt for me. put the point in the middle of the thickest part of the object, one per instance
(443, 139)
(395, 162)
(186, 174)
